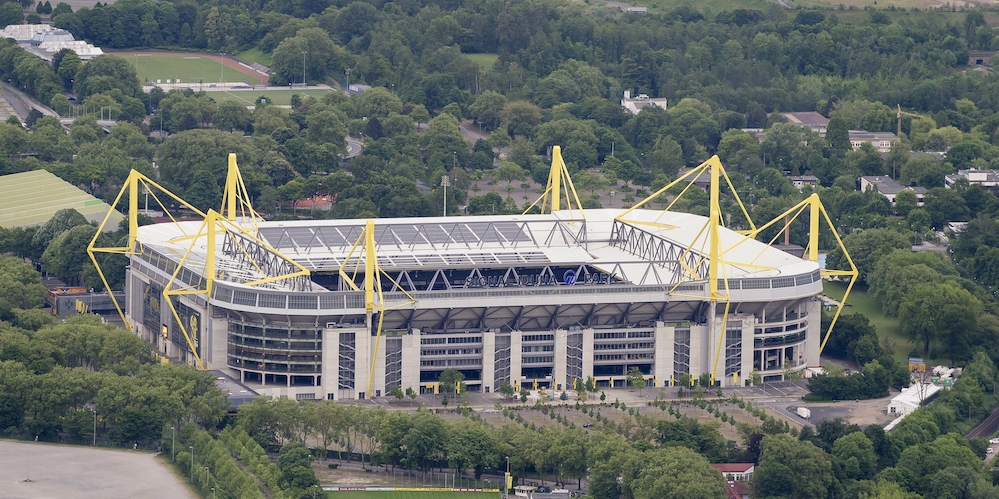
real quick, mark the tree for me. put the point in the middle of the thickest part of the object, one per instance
(865, 248)
(838, 134)
(449, 380)
(60, 222)
(20, 285)
(66, 256)
(854, 457)
(397, 392)
(321, 57)
(11, 13)
(232, 116)
(520, 117)
(294, 462)
(792, 468)
(905, 202)
(104, 73)
(673, 472)
(945, 312)
(637, 379)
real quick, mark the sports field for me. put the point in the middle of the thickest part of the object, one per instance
(357, 494)
(249, 97)
(189, 67)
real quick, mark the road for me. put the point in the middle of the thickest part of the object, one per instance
(354, 147)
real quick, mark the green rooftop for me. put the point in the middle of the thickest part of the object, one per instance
(31, 198)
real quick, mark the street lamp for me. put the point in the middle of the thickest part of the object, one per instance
(95, 426)
(305, 84)
(213, 492)
(192, 462)
(348, 81)
(206, 475)
(173, 446)
(222, 69)
(444, 183)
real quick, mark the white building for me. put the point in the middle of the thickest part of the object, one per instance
(44, 41)
(636, 104)
(984, 178)
(889, 188)
(911, 398)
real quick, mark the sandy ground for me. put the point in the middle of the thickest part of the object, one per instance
(84, 473)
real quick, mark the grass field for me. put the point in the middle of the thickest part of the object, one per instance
(485, 61)
(888, 328)
(277, 97)
(255, 55)
(190, 67)
(357, 494)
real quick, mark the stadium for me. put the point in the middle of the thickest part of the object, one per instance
(348, 309)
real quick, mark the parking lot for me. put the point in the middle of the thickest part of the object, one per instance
(83, 473)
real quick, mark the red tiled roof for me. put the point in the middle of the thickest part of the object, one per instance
(733, 467)
(736, 490)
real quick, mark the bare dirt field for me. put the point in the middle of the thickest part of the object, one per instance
(84, 473)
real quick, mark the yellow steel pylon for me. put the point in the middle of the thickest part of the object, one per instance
(214, 227)
(133, 183)
(374, 299)
(559, 182)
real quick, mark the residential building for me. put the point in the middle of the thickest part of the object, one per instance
(811, 119)
(800, 181)
(882, 141)
(889, 188)
(635, 105)
(739, 472)
(984, 178)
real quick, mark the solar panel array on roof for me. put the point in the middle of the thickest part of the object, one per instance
(435, 234)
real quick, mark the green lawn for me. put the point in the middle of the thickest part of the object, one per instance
(485, 61)
(888, 328)
(277, 97)
(255, 55)
(356, 494)
(188, 67)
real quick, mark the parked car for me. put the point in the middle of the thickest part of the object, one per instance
(994, 441)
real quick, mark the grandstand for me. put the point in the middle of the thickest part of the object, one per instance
(347, 309)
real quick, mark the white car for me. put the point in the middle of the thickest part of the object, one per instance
(990, 450)
(994, 441)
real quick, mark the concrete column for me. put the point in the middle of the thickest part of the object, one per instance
(331, 361)
(699, 345)
(411, 361)
(217, 337)
(813, 337)
(516, 344)
(561, 358)
(587, 353)
(362, 361)
(378, 386)
(489, 361)
(663, 365)
(748, 332)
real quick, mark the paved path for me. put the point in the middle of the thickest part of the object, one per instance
(83, 472)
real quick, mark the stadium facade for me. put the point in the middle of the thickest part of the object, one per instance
(290, 308)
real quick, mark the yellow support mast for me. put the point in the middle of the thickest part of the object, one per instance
(374, 299)
(559, 182)
(134, 183)
(817, 213)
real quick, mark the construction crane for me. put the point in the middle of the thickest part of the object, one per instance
(899, 116)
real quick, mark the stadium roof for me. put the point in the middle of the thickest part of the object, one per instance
(31, 198)
(560, 239)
